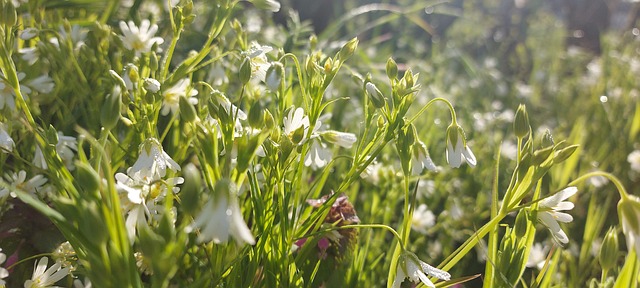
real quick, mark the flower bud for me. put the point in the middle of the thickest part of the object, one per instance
(152, 85)
(8, 15)
(341, 139)
(270, 5)
(392, 69)
(328, 65)
(29, 33)
(187, 111)
(629, 215)
(256, 115)
(298, 135)
(540, 155)
(609, 250)
(245, 70)
(274, 75)
(190, 191)
(521, 125)
(153, 61)
(348, 49)
(520, 227)
(87, 178)
(565, 153)
(547, 139)
(375, 95)
(110, 113)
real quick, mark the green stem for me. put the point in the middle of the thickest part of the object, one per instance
(425, 107)
(611, 177)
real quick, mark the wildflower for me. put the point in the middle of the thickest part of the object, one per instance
(152, 85)
(152, 162)
(28, 33)
(455, 134)
(634, 160)
(629, 214)
(78, 284)
(318, 155)
(18, 181)
(43, 277)
(294, 121)
(171, 96)
(38, 159)
(4, 273)
(342, 139)
(222, 217)
(422, 219)
(65, 147)
(420, 159)
(29, 54)
(6, 143)
(259, 62)
(409, 266)
(139, 39)
(42, 84)
(549, 215)
(537, 256)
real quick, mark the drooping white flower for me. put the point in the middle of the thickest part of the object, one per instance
(38, 159)
(420, 159)
(4, 273)
(409, 266)
(342, 139)
(18, 181)
(29, 54)
(422, 219)
(28, 33)
(221, 217)
(43, 277)
(171, 96)
(6, 142)
(629, 214)
(634, 160)
(318, 155)
(549, 215)
(152, 163)
(455, 154)
(43, 84)
(139, 39)
(65, 147)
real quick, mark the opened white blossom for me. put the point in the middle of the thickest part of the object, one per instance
(420, 159)
(221, 217)
(139, 39)
(6, 142)
(139, 194)
(43, 277)
(171, 96)
(295, 120)
(537, 256)
(4, 273)
(629, 214)
(259, 62)
(549, 213)
(18, 181)
(422, 219)
(153, 162)
(634, 160)
(409, 266)
(455, 154)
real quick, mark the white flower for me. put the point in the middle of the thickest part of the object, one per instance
(634, 160)
(65, 147)
(259, 62)
(78, 284)
(43, 277)
(222, 217)
(294, 121)
(152, 163)
(318, 155)
(18, 181)
(42, 84)
(171, 96)
(422, 219)
(549, 215)
(420, 159)
(29, 54)
(6, 143)
(537, 256)
(629, 214)
(38, 159)
(455, 134)
(140, 39)
(4, 273)
(409, 266)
